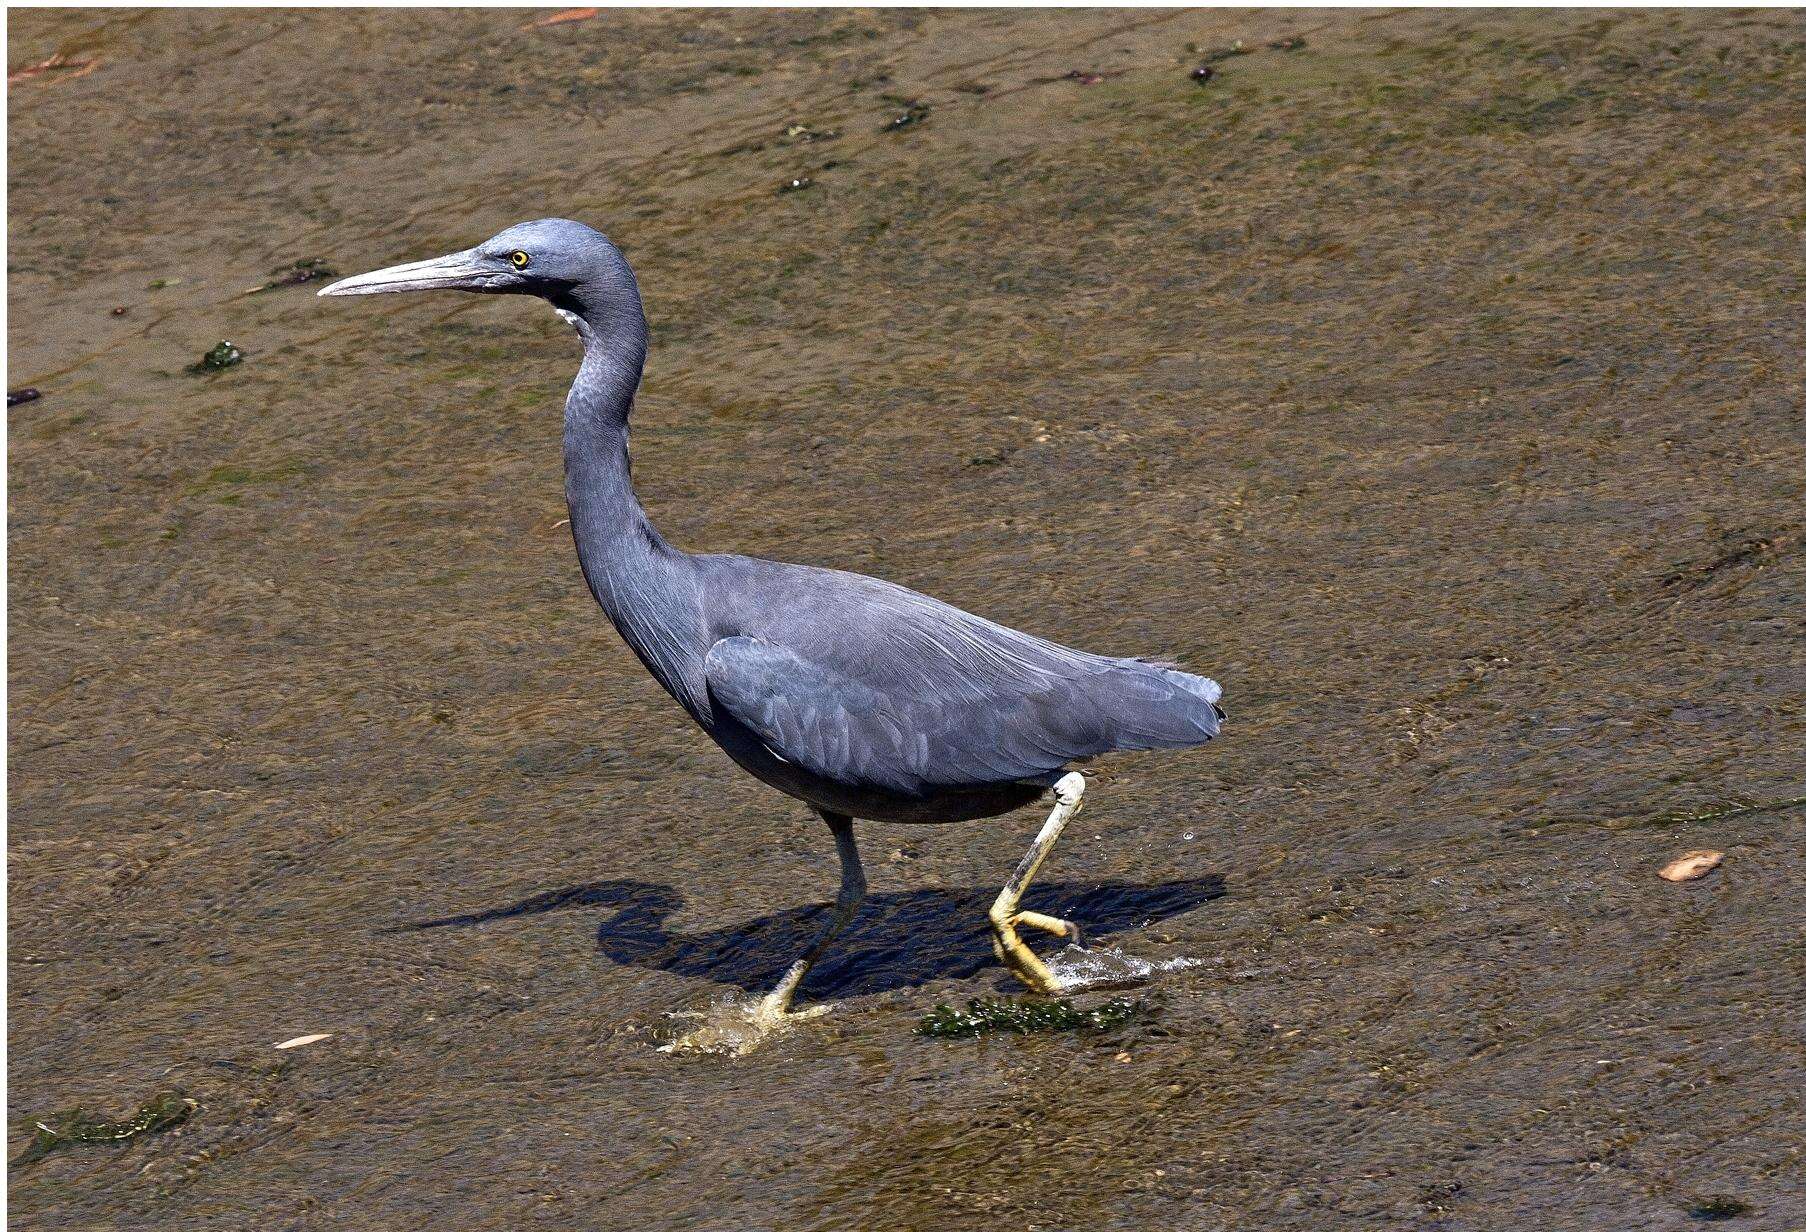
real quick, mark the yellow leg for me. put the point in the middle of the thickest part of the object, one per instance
(1069, 794)
(738, 1030)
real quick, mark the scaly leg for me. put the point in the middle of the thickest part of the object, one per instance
(1069, 794)
(739, 1033)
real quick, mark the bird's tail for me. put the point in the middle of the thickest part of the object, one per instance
(1158, 706)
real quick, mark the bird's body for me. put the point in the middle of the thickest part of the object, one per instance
(871, 700)
(862, 698)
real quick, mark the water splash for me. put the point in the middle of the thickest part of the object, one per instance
(735, 1026)
(1081, 970)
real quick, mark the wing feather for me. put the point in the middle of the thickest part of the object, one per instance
(909, 695)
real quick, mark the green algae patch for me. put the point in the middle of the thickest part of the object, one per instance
(913, 115)
(997, 1016)
(308, 269)
(1715, 1207)
(163, 1111)
(1731, 806)
(233, 476)
(224, 355)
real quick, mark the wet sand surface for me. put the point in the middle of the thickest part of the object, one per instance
(1437, 386)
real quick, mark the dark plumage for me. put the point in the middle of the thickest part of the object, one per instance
(860, 697)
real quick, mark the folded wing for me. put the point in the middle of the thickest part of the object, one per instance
(942, 700)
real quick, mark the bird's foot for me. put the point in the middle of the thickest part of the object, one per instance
(1021, 960)
(734, 1029)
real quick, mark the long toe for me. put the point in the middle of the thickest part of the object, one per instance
(1048, 924)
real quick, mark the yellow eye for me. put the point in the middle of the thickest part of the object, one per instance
(519, 259)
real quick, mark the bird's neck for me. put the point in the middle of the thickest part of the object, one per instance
(606, 518)
(641, 582)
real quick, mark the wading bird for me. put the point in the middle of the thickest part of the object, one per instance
(859, 697)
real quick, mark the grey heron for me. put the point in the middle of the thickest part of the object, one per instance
(861, 698)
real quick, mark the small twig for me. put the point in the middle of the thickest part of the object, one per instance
(82, 67)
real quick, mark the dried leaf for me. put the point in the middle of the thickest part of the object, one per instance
(1692, 866)
(561, 17)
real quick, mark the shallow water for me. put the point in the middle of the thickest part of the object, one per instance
(1433, 386)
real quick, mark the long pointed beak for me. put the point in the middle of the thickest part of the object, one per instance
(461, 271)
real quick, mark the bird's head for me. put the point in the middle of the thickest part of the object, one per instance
(572, 265)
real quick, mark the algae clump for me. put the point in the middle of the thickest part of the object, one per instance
(218, 359)
(991, 1016)
(165, 1110)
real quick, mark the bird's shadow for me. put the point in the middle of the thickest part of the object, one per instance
(897, 940)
